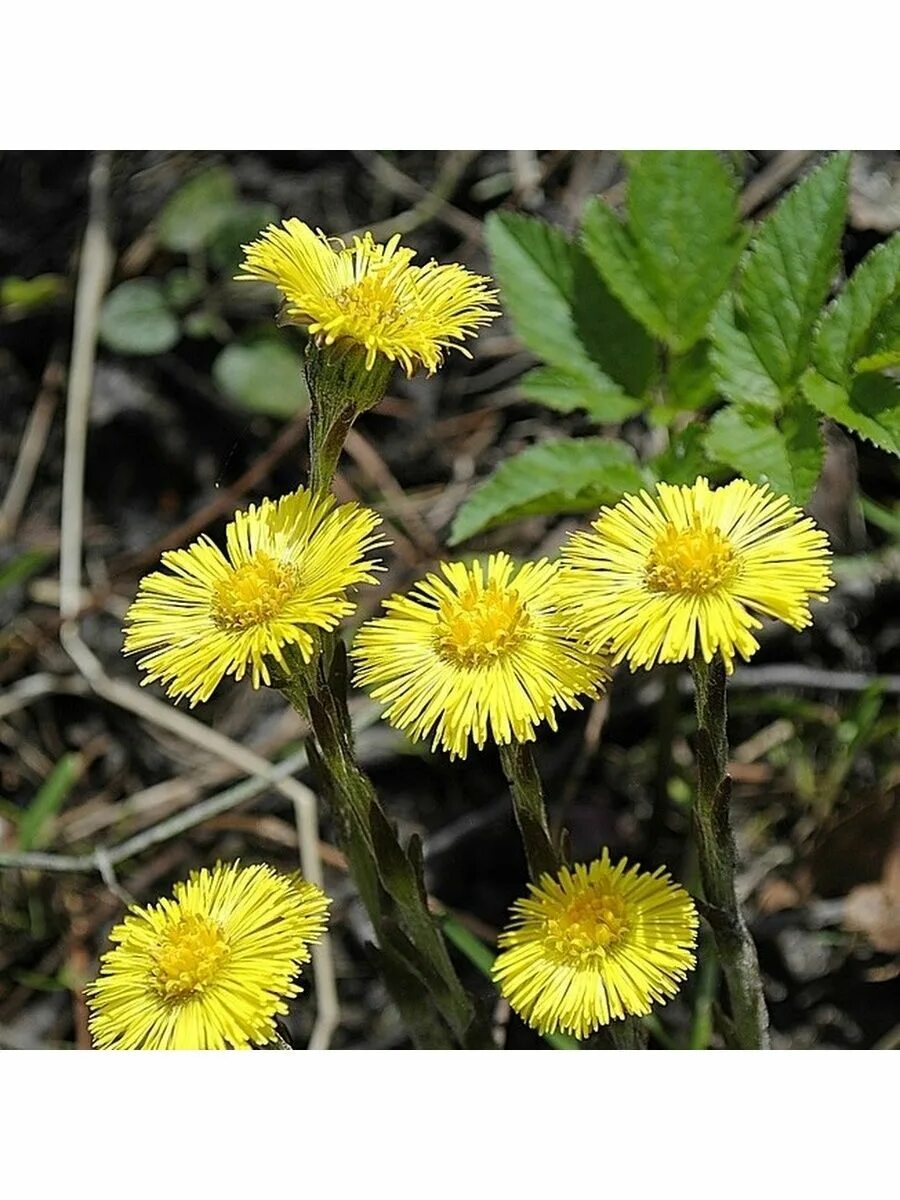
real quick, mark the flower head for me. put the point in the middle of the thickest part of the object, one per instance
(475, 653)
(666, 577)
(595, 944)
(288, 566)
(210, 968)
(370, 294)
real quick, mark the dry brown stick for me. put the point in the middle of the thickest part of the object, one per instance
(769, 181)
(379, 473)
(527, 177)
(226, 500)
(428, 203)
(399, 542)
(31, 448)
(94, 271)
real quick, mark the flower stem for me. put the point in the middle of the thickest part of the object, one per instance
(717, 856)
(341, 387)
(528, 805)
(412, 952)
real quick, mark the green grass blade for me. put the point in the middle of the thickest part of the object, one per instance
(481, 957)
(48, 801)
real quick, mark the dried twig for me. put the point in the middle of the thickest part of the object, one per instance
(223, 502)
(770, 180)
(370, 462)
(93, 275)
(164, 831)
(430, 203)
(34, 439)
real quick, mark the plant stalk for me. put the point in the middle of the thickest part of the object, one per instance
(412, 951)
(528, 806)
(717, 855)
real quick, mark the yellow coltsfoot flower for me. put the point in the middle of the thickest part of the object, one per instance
(371, 294)
(668, 577)
(286, 572)
(209, 969)
(475, 654)
(595, 944)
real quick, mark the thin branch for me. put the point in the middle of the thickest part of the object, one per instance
(429, 203)
(93, 276)
(33, 687)
(164, 831)
(31, 448)
(770, 180)
(223, 502)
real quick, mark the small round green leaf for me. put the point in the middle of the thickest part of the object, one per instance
(264, 377)
(183, 287)
(136, 320)
(196, 212)
(245, 223)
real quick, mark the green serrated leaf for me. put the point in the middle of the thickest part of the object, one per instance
(850, 325)
(870, 408)
(610, 249)
(264, 377)
(135, 319)
(692, 384)
(683, 224)
(615, 341)
(567, 393)
(533, 265)
(195, 213)
(883, 343)
(671, 261)
(562, 310)
(788, 458)
(565, 476)
(789, 268)
(737, 368)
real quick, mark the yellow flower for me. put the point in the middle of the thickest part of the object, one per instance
(210, 968)
(595, 944)
(475, 654)
(288, 566)
(369, 294)
(667, 577)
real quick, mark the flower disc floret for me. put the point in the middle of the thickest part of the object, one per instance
(209, 968)
(371, 294)
(474, 654)
(594, 944)
(664, 578)
(285, 574)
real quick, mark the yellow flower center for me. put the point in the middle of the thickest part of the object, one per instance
(189, 958)
(690, 561)
(482, 625)
(254, 593)
(370, 303)
(586, 928)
